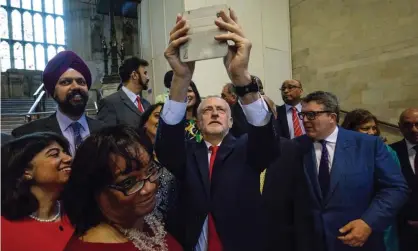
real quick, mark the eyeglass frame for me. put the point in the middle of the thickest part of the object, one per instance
(290, 88)
(301, 115)
(123, 190)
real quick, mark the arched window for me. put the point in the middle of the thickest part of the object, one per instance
(35, 32)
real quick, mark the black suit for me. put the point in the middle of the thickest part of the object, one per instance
(5, 138)
(285, 201)
(282, 121)
(117, 109)
(408, 236)
(232, 196)
(240, 124)
(50, 124)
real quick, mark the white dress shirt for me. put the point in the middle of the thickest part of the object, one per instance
(132, 96)
(65, 122)
(289, 116)
(411, 153)
(331, 141)
(257, 114)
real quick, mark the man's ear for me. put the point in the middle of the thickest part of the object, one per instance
(230, 122)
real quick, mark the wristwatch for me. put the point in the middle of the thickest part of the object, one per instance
(241, 91)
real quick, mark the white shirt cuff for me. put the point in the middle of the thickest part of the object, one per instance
(173, 112)
(257, 113)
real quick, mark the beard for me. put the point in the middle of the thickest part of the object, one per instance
(73, 107)
(144, 84)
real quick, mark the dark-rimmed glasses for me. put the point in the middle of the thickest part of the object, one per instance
(132, 184)
(311, 115)
(289, 87)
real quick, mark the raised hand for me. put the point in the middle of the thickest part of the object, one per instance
(178, 36)
(236, 61)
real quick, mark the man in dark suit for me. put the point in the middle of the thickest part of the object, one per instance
(289, 123)
(5, 138)
(67, 79)
(220, 206)
(356, 186)
(407, 150)
(126, 105)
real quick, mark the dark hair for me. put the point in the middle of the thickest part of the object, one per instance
(92, 172)
(142, 131)
(168, 77)
(198, 98)
(130, 65)
(327, 99)
(354, 119)
(17, 201)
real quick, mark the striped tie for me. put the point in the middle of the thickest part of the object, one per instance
(296, 125)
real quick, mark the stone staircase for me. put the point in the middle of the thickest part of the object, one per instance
(13, 108)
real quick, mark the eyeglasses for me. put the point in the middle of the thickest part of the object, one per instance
(132, 184)
(409, 125)
(311, 115)
(290, 87)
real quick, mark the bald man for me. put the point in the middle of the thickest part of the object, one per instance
(290, 124)
(407, 150)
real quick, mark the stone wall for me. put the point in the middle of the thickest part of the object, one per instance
(365, 51)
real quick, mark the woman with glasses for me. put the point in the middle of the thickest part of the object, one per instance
(364, 121)
(34, 169)
(111, 193)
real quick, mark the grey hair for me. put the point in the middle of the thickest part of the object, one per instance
(231, 89)
(199, 108)
(327, 99)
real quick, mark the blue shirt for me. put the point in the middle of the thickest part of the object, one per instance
(65, 125)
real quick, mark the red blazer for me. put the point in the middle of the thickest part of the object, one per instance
(29, 234)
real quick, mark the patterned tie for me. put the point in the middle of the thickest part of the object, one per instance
(262, 179)
(77, 135)
(140, 107)
(324, 176)
(416, 160)
(296, 125)
(214, 243)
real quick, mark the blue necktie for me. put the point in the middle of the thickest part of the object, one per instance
(324, 176)
(77, 135)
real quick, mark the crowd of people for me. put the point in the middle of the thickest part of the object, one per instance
(225, 173)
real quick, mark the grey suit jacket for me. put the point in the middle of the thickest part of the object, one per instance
(117, 109)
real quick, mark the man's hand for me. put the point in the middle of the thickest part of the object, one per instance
(236, 61)
(356, 233)
(182, 72)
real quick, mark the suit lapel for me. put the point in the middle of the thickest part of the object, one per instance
(125, 99)
(201, 157)
(51, 123)
(224, 151)
(342, 156)
(405, 164)
(283, 122)
(311, 171)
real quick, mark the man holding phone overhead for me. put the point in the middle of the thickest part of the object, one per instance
(219, 201)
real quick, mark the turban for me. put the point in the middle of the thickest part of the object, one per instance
(60, 64)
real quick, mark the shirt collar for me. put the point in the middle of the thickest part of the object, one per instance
(64, 121)
(409, 145)
(209, 144)
(332, 138)
(132, 96)
(298, 107)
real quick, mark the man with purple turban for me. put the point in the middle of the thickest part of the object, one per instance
(67, 79)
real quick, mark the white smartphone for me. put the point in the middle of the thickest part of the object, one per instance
(202, 44)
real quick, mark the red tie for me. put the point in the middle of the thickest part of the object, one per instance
(140, 107)
(296, 126)
(214, 243)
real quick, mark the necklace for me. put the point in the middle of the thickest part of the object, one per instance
(33, 216)
(154, 241)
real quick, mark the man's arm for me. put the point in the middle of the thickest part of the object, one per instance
(107, 113)
(392, 193)
(170, 145)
